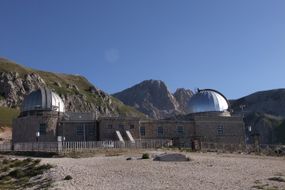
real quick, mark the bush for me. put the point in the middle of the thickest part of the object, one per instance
(145, 156)
(68, 177)
(17, 173)
(278, 179)
(5, 161)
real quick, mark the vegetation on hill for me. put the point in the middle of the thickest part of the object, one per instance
(77, 92)
(23, 174)
(7, 115)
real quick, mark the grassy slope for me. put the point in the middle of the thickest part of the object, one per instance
(7, 115)
(64, 79)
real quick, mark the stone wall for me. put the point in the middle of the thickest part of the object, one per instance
(26, 128)
(220, 129)
(78, 131)
(109, 125)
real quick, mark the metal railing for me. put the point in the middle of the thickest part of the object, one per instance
(81, 146)
(265, 149)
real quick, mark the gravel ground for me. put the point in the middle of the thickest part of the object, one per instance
(205, 171)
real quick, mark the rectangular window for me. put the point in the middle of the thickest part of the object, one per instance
(79, 131)
(91, 131)
(43, 129)
(132, 126)
(142, 131)
(121, 127)
(220, 130)
(180, 130)
(159, 131)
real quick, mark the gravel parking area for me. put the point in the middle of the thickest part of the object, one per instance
(204, 171)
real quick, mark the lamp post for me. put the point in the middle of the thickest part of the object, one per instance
(37, 136)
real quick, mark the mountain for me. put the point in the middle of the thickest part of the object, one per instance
(76, 91)
(183, 97)
(154, 99)
(269, 102)
(264, 111)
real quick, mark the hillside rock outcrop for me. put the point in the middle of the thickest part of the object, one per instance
(78, 94)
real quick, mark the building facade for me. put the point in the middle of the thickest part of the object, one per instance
(43, 119)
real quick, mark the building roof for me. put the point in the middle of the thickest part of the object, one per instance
(208, 100)
(42, 99)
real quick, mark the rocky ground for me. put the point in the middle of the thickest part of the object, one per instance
(204, 171)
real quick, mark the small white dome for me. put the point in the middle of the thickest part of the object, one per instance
(43, 99)
(208, 100)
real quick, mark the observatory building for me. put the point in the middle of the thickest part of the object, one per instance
(43, 119)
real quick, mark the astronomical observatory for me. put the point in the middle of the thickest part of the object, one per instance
(43, 118)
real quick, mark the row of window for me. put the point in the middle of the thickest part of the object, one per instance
(179, 130)
(160, 131)
(80, 130)
(121, 127)
(91, 130)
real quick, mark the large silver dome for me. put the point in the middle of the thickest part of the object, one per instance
(208, 100)
(42, 99)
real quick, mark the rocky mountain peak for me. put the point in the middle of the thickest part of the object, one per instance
(151, 97)
(183, 97)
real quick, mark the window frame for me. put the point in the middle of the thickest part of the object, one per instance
(79, 130)
(179, 131)
(160, 131)
(142, 131)
(220, 130)
(41, 130)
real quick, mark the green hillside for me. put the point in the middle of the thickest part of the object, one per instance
(7, 115)
(67, 85)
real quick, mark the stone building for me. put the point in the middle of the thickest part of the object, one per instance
(43, 118)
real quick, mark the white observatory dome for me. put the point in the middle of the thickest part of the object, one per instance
(42, 99)
(208, 100)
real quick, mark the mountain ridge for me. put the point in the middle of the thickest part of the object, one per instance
(153, 98)
(77, 92)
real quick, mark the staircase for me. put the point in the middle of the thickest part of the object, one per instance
(119, 135)
(130, 137)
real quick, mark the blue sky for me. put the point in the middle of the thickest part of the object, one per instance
(236, 47)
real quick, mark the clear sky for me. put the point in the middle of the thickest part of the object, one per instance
(236, 47)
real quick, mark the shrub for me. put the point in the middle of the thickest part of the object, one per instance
(5, 161)
(145, 156)
(17, 173)
(278, 179)
(68, 177)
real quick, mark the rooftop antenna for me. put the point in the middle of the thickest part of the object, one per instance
(196, 90)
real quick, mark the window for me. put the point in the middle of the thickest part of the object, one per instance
(79, 130)
(43, 129)
(220, 130)
(142, 131)
(132, 126)
(121, 127)
(159, 131)
(110, 126)
(180, 130)
(91, 131)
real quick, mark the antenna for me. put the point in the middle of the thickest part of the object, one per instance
(196, 90)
